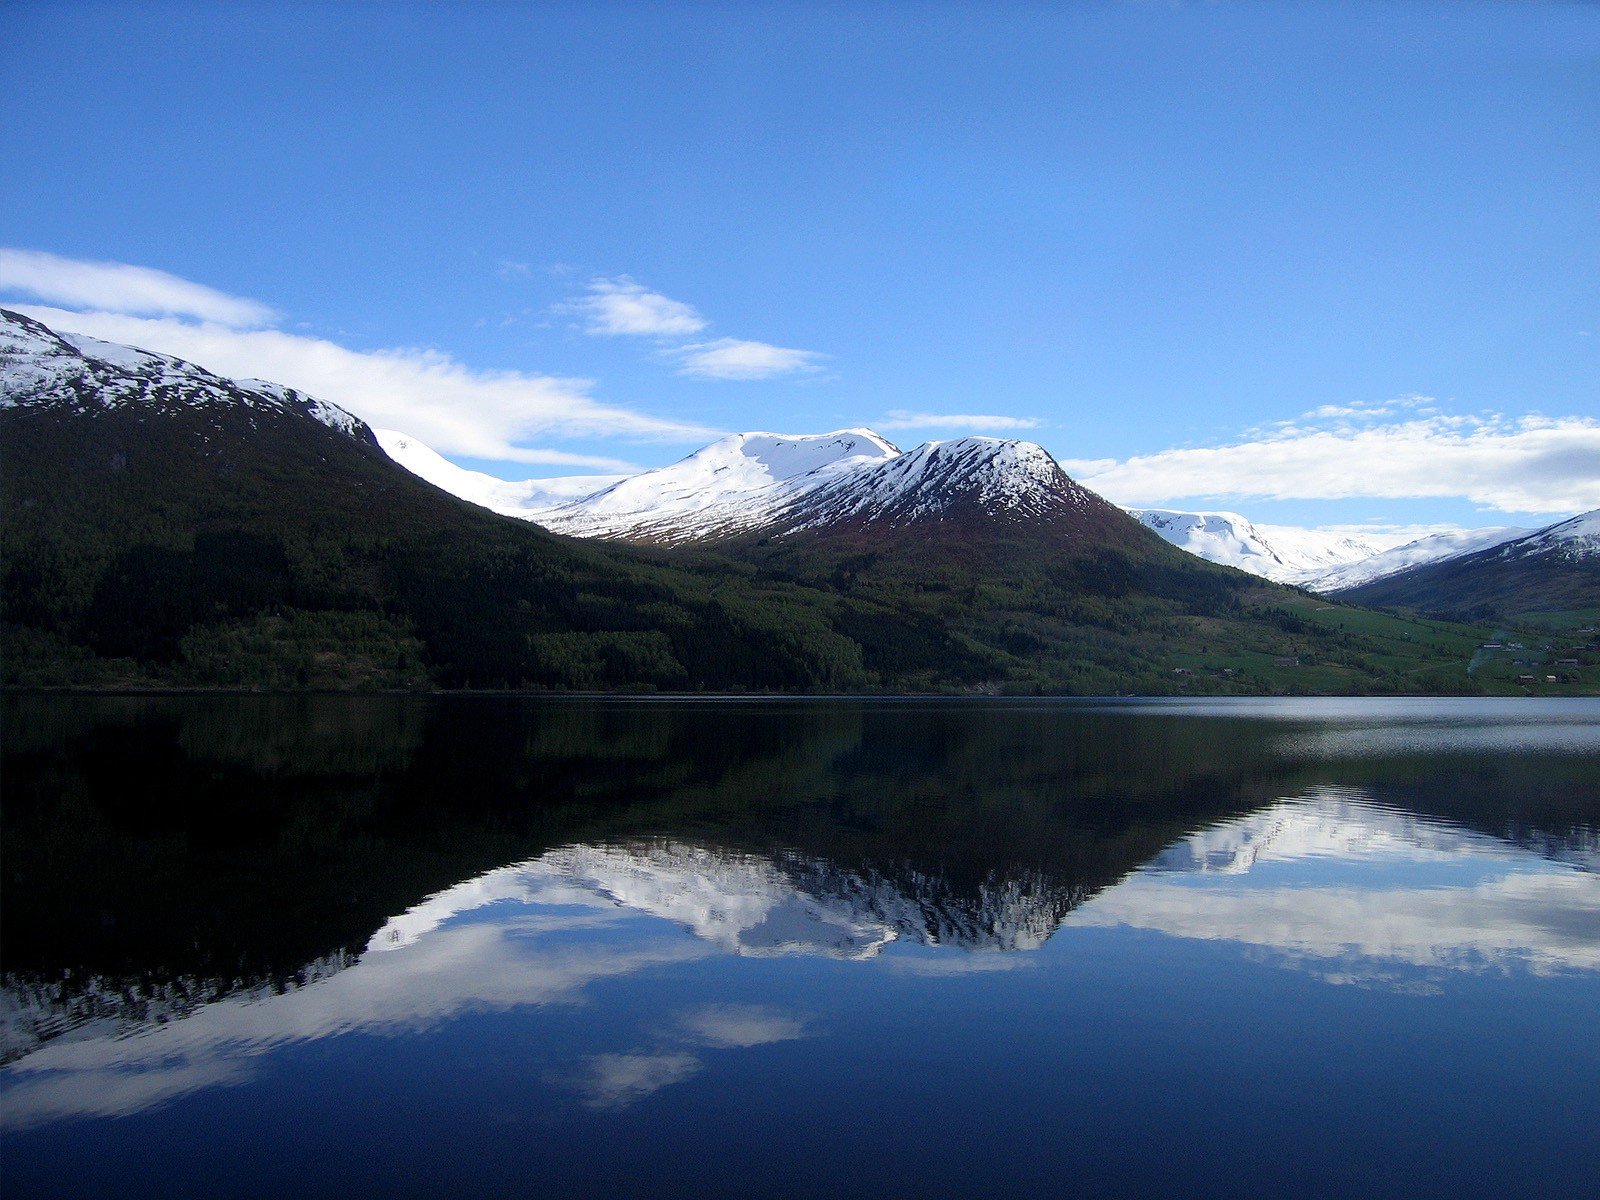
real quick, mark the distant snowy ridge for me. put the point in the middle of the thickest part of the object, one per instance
(784, 483)
(1281, 553)
(40, 368)
(1438, 547)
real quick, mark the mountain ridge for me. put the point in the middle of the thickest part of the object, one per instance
(167, 526)
(727, 491)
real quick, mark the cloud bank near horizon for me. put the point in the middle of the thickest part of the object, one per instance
(1404, 449)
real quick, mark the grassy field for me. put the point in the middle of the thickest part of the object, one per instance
(1409, 653)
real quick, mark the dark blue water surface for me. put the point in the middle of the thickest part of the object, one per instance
(502, 947)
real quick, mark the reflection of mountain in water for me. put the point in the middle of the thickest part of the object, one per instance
(1358, 892)
(750, 905)
(1332, 823)
(1330, 882)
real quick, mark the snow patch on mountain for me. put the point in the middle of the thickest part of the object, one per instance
(1573, 539)
(41, 368)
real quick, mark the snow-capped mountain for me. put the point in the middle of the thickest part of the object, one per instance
(40, 368)
(1438, 547)
(777, 484)
(1281, 553)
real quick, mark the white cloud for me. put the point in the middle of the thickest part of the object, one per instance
(1404, 449)
(733, 358)
(446, 404)
(622, 306)
(900, 418)
(119, 287)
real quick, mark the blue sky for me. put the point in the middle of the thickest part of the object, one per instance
(1323, 264)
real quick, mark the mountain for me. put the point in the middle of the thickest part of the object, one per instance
(166, 525)
(1281, 553)
(1554, 568)
(776, 485)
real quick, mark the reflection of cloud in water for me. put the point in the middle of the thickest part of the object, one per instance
(619, 1080)
(1352, 891)
(470, 967)
(726, 1026)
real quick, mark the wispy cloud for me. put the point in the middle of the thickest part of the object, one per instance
(734, 358)
(428, 394)
(621, 306)
(1402, 449)
(122, 288)
(450, 406)
(900, 418)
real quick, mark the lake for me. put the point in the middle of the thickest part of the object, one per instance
(399, 946)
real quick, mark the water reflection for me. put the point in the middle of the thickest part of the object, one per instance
(1353, 891)
(632, 907)
(1329, 883)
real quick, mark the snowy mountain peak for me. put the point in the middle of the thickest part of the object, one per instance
(41, 368)
(737, 483)
(996, 475)
(780, 456)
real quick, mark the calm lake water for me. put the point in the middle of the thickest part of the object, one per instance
(498, 947)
